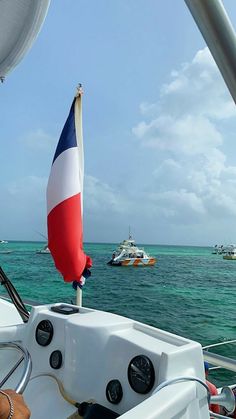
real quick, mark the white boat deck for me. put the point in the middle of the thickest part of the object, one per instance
(96, 348)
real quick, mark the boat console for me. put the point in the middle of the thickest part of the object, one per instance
(107, 361)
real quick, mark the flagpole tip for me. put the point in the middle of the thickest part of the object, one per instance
(79, 90)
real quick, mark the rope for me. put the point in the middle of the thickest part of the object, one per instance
(60, 386)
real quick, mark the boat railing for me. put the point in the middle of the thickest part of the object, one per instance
(219, 361)
(27, 302)
(213, 345)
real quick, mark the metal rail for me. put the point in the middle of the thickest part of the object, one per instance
(27, 368)
(219, 34)
(227, 342)
(220, 360)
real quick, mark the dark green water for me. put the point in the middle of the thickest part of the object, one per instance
(190, 291)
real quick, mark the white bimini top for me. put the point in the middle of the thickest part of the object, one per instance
(20, 23)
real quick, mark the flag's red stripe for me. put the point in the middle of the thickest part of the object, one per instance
(65, 232)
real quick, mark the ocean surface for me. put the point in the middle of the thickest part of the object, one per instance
(190, 291)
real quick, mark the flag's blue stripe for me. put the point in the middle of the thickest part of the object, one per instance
(68, 135)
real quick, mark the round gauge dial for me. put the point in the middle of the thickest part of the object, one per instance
(55, 360)
(141, 374)
(114, 391)
(44, 333)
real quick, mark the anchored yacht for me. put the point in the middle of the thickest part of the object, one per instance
(128, 254)
(230, 254)
(44, 251)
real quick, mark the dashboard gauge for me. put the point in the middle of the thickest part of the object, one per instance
(141, 374)
(44, 333)
(114, 391)
(55, 360)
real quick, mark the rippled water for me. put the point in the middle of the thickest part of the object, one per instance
(190, 291)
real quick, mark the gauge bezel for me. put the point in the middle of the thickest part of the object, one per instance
(55, 365)
(120, 390)
(50, 333)
(134, 385)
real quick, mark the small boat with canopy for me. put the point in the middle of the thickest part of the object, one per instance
(128, 254)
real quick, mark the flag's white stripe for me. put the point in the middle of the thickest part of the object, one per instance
(79, 139)
(65, 178)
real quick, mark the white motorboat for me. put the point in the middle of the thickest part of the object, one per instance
(222, 249)
(4, 249)
(44, 251)
(218, 249)
(230, 254)
(128, 254)
(76, 362)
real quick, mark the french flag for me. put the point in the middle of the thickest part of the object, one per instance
(65, 199)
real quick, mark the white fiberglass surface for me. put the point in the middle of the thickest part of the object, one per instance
(20, 22)
(8, 314)
(97, 347)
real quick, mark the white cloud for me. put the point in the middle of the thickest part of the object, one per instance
(24, 211)
(29, 188)
(39, 140)
(149, 109)
(193, 184)
(188, 132)
(99, 196)
(176, 202)
(198, 88)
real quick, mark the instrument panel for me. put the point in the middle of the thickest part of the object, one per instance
(141, 377)
(140, 370)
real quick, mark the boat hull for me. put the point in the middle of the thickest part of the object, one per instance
(228, 257)
(134, 262)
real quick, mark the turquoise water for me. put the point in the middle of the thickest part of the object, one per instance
(190, 291)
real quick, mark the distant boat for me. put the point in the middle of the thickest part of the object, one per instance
(4, 250)
(128, 254)
(231, 254)
(222, 249)
(44, 250)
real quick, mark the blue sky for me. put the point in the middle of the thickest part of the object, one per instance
(159, 125)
